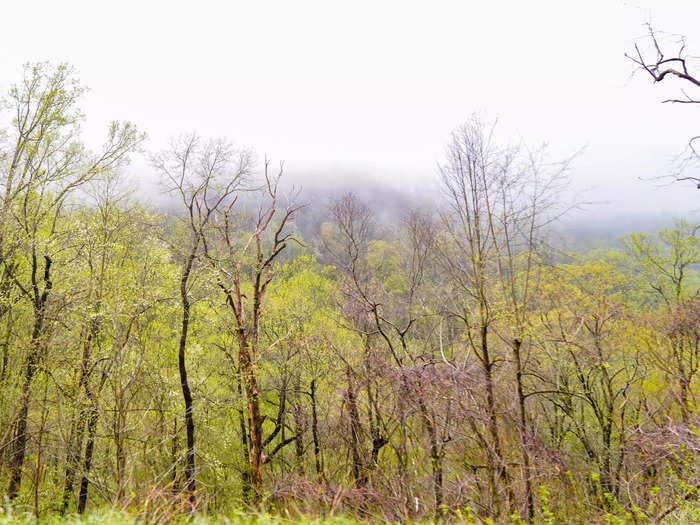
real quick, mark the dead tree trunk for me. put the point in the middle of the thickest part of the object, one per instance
(249, 372)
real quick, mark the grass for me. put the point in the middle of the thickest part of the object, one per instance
(114, 517)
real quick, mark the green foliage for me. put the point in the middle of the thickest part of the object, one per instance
(425, 374)
(667, 262)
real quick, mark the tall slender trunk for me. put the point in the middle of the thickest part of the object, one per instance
(373, 418)
(314, 431)
(498, 462)
(524, 441)
(684, 388)
(606, 477)
(87, 461)
(245, 472)
(20, 438)
(6, 347)
(74, 447)
(38, 466)
(190, 471)
(249, 373)
(75, 444)
(299, 431)
(71, 459)
(90, 441)
(174, 445)
(435, 456)
(119, 456)
(357, 464)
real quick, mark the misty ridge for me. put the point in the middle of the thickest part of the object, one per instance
(591, 223)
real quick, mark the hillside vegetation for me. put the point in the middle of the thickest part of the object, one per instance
(216, 363)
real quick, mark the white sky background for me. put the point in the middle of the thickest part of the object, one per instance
(375, 88)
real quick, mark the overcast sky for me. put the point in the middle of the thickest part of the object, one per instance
(375, 88)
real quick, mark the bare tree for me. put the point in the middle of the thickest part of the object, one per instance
(499, 200)
(207, 178)
(347, 247)
(661, 65)
(244, 261)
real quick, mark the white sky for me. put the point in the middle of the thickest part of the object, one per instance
(376, 87)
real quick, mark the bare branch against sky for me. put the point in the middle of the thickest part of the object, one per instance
(375, 88)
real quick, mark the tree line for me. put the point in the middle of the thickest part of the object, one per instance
(454, 363)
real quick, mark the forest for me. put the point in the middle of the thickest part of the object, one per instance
(245, 352)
